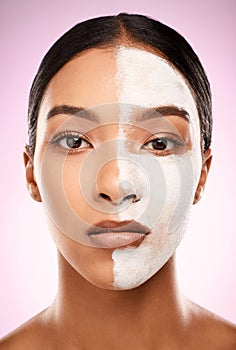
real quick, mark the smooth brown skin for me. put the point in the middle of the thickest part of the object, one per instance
(84, 316)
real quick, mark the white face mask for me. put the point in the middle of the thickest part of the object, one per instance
(146, 80)
(164, 185)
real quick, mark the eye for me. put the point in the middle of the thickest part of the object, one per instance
(158, 144)
(164, 145)
(71, 141)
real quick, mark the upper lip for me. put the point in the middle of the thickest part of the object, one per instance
(118, 226)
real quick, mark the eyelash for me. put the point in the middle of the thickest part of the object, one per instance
(177, 142)
(68, 133)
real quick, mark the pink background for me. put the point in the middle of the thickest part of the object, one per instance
(207, 255)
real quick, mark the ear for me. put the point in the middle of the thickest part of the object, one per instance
(29, 175)
(207, 158)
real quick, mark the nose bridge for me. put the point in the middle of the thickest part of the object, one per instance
(107, 181)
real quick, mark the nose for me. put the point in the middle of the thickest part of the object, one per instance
(115, 187)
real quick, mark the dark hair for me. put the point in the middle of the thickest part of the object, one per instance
(111, 30)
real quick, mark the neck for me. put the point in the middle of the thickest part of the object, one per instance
(87, 314)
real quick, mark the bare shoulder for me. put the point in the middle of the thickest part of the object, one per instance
(213, 331)
(33, 334)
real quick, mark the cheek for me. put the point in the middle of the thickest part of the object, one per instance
(72, 188)
(68, 217)
(63, 200)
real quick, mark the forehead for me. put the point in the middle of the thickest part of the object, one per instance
(146, 79)
(120, 75)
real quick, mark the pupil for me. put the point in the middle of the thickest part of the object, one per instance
(73, 141)
(159, 144)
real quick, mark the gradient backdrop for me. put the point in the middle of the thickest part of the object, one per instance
(207, 255)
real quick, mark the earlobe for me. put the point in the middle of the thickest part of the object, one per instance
(203, 177)
(29, 175)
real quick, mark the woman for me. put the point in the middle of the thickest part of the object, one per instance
(119, 150)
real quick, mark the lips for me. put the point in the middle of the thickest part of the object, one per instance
(112, 234)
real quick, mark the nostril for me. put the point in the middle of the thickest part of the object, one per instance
(131, 197)
(105, 196)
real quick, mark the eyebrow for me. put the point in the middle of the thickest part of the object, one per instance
(72, 110)
(143, 115)
(162, 111)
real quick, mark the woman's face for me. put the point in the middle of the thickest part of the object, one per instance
(117, 163)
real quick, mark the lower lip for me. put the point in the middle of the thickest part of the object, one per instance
(117, 239)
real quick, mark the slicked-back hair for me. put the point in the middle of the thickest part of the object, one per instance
(108, 31)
